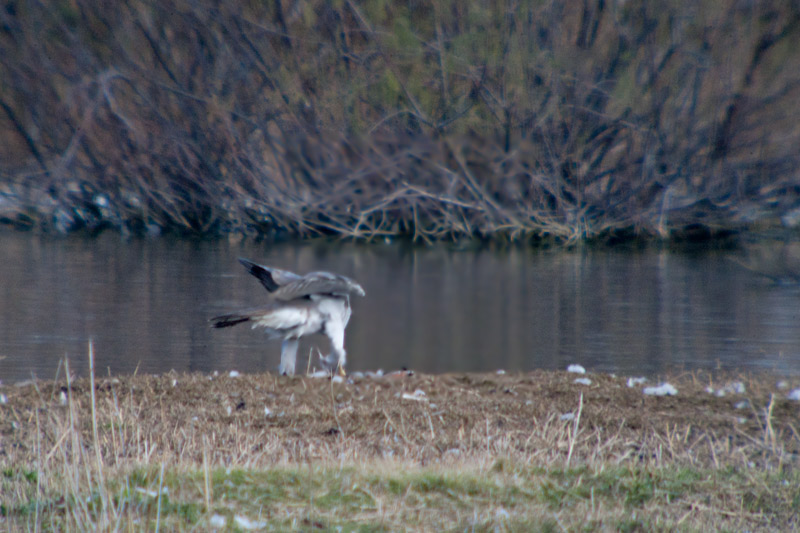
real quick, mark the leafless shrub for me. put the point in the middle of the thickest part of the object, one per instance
(443, 121)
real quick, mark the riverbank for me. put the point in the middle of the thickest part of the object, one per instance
(401, 451)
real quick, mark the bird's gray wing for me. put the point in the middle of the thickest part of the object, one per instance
(318, 283)
(271, 278)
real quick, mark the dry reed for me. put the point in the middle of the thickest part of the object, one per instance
(164, 452)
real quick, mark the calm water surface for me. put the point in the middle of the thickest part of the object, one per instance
(146, 304)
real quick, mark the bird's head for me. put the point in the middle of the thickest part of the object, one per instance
(355, 288)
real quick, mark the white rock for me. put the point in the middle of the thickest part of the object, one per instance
(737, 387)
(319, 374)
(501, 514)
(151, 493)
(577, 369)
(245, 523)
(501, 372)
(418, 395)
(734, 387)
(583, 381)
(782, 384)
(101, 200)
(217, 521)
(146, 492)
(795, 395)
(337, 379)
(744, 404)
(632, 382)
(3, 399)
(234, 374)
(267, 411)
(665, 389)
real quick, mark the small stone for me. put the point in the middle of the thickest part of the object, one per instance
(217, 521)
(245, 523)
(418, 395)
(577, 369)
(632, 382)
(665, 389)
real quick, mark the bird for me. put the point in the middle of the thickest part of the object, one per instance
(318, 302)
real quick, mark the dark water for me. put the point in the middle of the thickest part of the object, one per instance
(145, 304)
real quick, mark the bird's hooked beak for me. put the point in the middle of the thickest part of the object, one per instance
(358, 289)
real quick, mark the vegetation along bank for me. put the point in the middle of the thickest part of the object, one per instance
(443, 120)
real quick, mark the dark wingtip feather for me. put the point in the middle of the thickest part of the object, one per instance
(263, 275)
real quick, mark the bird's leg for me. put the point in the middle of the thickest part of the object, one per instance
(338, 357)
(288, 356)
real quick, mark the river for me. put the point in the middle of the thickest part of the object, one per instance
(145, 304)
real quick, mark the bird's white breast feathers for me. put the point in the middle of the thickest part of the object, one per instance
(295, 321)
(335, 309)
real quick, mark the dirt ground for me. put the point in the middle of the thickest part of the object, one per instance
(263, 419)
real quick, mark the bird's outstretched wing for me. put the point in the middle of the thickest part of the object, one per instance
(270, 278)
(318, 283)
(287, 286)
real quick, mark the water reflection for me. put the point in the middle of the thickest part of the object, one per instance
(146, 304)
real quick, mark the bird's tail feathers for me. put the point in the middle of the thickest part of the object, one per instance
(226, 321)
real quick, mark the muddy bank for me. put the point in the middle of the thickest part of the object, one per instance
(265, 419)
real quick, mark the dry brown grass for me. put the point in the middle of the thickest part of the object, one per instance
(401, 451)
